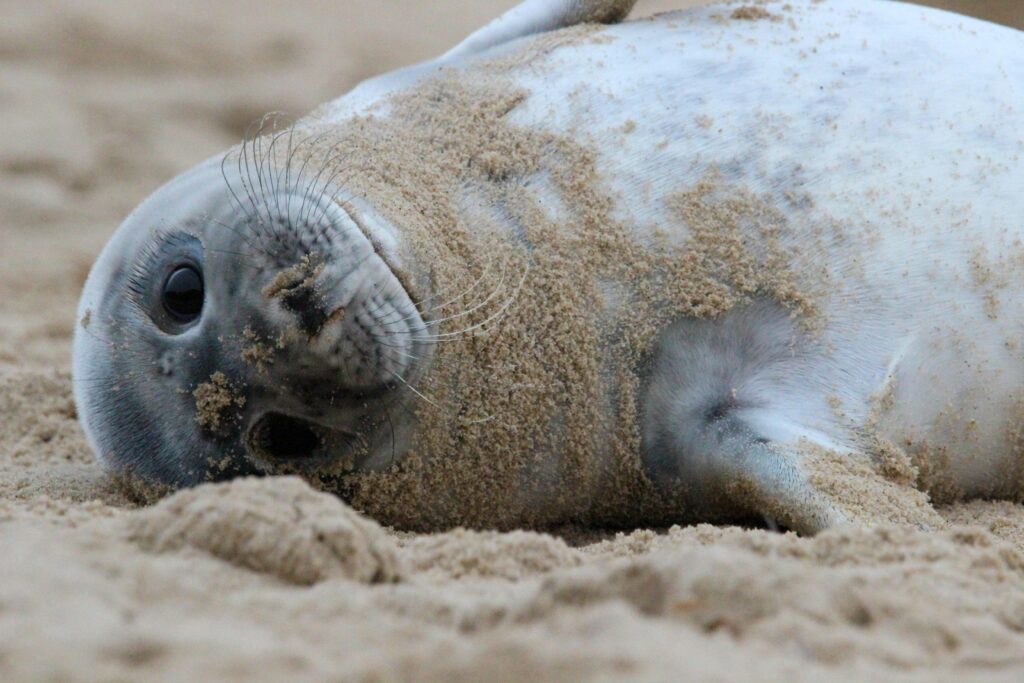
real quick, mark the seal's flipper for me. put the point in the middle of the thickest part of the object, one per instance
(798, 483)
(768, 480)
(538, 16)
(762, 478)
(735, 417)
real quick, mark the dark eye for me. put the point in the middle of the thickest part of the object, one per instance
(183, 294)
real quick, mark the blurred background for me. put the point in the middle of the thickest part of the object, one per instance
(102, 100)
(1009, 12)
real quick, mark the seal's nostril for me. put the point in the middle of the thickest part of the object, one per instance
(280, 437)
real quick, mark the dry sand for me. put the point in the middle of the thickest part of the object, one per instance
(102, 101)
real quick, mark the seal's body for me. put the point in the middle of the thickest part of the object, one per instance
(799, 232)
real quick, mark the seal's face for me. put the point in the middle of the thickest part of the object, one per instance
(225, 332)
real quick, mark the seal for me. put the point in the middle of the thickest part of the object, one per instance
(721, 264)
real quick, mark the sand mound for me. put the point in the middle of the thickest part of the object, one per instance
(893, 596)
(280, 527)
(514, 555)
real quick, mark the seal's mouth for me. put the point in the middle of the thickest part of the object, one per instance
(284, 443)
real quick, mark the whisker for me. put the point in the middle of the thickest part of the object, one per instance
(449, 336)
(227, 182)
(398, 349)
(327, 201)
(478, 306)
(234, 230)
(466, 292)
(275, 185)
(241, 257)
(412, 388)
(293, 149)
(419, 311)
(245, 165)
(387, 414)
(316, 181)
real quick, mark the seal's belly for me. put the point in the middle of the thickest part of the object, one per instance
(954, 403)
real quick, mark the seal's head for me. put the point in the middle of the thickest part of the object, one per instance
(243, 321)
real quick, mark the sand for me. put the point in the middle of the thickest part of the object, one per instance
(270, 580)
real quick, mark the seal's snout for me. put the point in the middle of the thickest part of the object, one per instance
(354, 318)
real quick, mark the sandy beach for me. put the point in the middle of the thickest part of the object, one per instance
(101, 102)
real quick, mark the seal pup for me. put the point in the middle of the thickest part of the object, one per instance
(730, 262)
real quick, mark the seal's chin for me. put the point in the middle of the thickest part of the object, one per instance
(280, 444)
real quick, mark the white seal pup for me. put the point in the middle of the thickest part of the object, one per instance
(716, 264)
